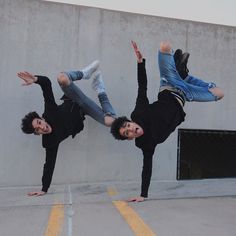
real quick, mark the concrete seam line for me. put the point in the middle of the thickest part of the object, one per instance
(70, 213)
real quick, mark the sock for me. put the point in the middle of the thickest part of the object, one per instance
(90, 69)
(98, 84)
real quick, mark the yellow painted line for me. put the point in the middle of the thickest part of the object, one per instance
(134, 221)
(55, 221)
(111, 191)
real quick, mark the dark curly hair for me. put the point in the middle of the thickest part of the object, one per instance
(116, 125)
(26, 122)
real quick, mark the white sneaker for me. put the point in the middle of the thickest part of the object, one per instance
(90, 69)
(98, 84)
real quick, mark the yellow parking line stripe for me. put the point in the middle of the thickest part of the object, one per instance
(111, 191)
(55, 220)
(134, 221)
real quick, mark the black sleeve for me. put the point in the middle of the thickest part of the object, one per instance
(46, 86)
(141, 100)
(51, 156)
(146, 172)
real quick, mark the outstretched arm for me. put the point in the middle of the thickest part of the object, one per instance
(49, 165)
(142, 100)
(146, 176)
(45, 85)
(48, 169)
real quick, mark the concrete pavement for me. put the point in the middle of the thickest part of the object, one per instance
(100, 209)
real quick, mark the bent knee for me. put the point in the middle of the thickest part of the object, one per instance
(63, 79)
(217, 92)
(108, 120)
(165, 47)
(220, 95)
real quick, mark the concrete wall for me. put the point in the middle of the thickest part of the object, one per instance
(46, 38)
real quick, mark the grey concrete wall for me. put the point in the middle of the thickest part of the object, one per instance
(46, 38)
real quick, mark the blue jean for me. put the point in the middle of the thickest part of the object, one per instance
(88, 106)
(193, 88)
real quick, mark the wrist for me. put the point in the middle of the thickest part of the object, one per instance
(35, 79)
(44, 189)
(141, 62)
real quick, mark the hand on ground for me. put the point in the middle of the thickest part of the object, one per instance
(136, 199)
(36, 193)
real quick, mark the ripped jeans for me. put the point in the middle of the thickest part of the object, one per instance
(194, 89)
(88, 106)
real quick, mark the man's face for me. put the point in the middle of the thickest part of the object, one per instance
(131, 130)
(41, 126)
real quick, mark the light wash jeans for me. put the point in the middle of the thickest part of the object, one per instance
(88, 106)
(193, 88)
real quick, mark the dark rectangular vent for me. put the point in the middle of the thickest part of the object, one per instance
(204, 154)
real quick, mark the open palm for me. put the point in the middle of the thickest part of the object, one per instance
(27, 77)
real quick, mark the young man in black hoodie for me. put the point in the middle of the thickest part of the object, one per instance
(60, 121)
(151, 124)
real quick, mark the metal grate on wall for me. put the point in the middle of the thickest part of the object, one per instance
(204, 154)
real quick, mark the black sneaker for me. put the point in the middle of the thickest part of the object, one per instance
(182, 65)
(184, 59)
(177, 56)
